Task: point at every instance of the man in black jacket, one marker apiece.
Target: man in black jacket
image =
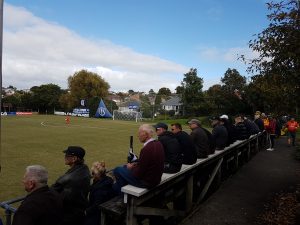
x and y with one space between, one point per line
219 133
199 138
224 120
241 130
187 146
74 186
173 152
41 206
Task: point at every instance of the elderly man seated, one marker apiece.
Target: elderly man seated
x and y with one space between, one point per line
147 171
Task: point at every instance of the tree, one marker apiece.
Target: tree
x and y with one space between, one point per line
233 83
14 100
84 85
179 90
233 80
146 108
45 98
151 92
266 93
278 47
192 96
130 92
164 91
215 99
163 94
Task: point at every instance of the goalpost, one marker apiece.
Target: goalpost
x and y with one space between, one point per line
127 115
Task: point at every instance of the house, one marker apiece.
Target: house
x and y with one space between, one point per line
172 104
130 106
8 91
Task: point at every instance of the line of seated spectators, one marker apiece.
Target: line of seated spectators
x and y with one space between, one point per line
73 200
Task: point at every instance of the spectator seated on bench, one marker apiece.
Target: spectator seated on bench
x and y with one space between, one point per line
186 144
173 152
147 171
100 191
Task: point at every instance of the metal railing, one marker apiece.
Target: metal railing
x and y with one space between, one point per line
9 210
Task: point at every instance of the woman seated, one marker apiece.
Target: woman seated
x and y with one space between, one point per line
101 191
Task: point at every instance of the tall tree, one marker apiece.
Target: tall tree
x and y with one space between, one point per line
233 80
164 91
192 96
163 94
215 100
84 85
233 87
278 47
179 90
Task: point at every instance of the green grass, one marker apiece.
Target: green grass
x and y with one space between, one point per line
40 139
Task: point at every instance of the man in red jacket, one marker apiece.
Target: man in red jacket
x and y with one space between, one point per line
292 127
271 128
147 171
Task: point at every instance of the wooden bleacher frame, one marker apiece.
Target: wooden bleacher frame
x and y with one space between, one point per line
141 202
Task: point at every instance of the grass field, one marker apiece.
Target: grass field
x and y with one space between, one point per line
40 139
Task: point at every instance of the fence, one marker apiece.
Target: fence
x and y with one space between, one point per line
9 209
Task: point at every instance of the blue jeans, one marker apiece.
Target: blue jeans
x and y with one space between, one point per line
124 176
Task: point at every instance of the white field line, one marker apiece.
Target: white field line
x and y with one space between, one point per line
71 126
46 124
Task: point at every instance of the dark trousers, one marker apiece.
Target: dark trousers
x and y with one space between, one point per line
272 139
124 176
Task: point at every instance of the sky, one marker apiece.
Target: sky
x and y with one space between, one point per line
133 44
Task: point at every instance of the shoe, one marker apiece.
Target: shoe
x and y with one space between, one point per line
270 149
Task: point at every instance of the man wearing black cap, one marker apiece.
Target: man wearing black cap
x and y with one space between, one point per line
74 186
173 152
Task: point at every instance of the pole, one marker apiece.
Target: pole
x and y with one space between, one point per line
1 40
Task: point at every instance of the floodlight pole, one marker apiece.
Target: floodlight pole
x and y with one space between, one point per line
1 41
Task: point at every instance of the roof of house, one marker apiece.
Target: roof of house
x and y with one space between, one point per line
174 100
130 103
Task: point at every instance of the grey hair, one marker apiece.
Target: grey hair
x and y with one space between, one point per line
148 129
37 173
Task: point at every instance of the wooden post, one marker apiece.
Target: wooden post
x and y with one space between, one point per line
189 193
131 219
208 183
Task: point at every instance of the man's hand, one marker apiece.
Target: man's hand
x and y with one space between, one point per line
131 165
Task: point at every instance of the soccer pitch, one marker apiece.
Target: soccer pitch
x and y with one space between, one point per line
40 139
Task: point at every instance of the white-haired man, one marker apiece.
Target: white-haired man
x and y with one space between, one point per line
41 205
147 171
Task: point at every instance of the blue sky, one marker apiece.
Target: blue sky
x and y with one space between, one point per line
132 44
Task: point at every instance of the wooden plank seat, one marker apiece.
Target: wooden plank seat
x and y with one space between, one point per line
115 206
113 210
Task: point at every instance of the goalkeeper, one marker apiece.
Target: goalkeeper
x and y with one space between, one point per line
147 171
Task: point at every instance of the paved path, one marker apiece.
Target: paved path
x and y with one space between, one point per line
241 198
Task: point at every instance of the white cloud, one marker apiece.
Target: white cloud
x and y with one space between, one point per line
229 55
37 52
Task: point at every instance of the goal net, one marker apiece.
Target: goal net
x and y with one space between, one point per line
127 115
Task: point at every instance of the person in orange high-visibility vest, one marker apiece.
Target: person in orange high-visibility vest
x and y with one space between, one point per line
292 126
